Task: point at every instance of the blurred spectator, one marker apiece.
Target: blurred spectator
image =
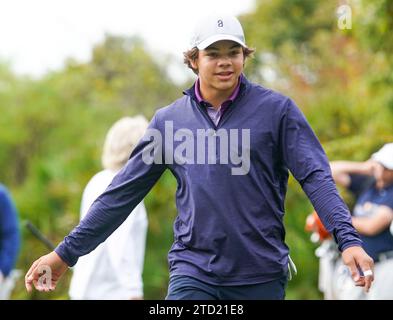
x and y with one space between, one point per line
371 183
114 269
9 241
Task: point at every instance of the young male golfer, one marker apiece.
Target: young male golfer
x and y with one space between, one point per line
230 144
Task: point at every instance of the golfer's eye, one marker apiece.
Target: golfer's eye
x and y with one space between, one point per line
212 54
234 53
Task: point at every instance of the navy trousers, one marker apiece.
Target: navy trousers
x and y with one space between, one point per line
188 288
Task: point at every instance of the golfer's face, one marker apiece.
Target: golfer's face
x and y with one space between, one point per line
220 65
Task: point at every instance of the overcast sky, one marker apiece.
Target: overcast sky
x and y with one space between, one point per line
37 36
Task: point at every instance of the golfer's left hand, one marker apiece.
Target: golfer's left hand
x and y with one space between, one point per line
355 258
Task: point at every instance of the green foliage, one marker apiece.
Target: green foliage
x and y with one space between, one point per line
52 129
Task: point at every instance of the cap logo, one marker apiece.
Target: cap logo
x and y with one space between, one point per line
220 23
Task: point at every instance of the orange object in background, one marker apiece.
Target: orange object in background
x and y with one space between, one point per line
315 225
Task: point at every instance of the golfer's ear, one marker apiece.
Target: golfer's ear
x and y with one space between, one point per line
194 63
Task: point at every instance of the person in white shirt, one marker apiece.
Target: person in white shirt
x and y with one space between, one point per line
114 269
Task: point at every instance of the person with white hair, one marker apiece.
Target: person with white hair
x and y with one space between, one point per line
371 183
114 269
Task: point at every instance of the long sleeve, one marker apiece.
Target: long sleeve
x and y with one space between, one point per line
111 208
9 233
307 161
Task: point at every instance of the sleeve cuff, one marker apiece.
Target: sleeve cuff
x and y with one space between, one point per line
65 254
353 243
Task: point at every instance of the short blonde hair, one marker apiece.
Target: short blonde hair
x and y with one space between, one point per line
121 140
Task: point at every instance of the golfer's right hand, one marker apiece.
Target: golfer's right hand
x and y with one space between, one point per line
45 273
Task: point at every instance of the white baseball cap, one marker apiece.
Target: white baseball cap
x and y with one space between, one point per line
217 27
385 156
